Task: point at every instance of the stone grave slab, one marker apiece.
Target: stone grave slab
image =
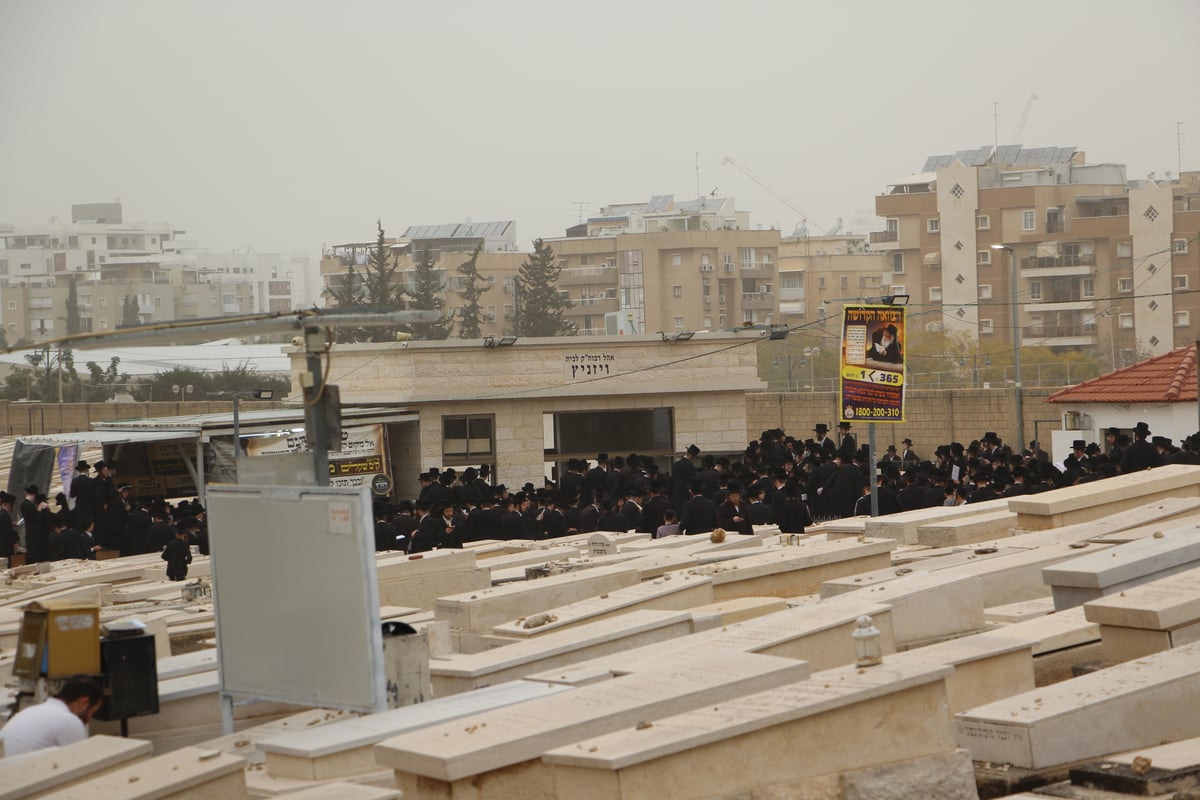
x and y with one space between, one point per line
343 749
792 571
669 593
499 751
1061 630
947 558
818 632
244 743
1173 767
422 591
841 720
1123 566
58 767
1086 502
1135 704
969 530
903 526
185 774
464 672
1020 611
741 609
340 790
1017 576
480 610
929 606
1162 604
985 668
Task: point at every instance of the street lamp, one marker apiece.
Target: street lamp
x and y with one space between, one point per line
1017 386
811 354
789 368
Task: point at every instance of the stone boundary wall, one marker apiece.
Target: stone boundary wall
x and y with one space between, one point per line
933 416
20 419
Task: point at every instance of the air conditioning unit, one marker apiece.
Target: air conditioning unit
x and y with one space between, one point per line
706 267
708 299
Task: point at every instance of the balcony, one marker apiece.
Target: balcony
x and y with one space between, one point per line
596 303
602 273
1047 262
883 237
1059 335
1100 226
590 332
757 266
758 300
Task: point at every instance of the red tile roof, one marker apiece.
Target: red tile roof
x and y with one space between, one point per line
1168 378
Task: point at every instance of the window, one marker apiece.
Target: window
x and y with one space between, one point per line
679 323
157 302
1029 220
1124 249
1035 290
1183 319
899 288
585 260
12 305
986 327
1087 287
983 222
93 240
844 282
103 302
676 259
677 291
1125 285
1125 320
933 225
983 258
467 439
26 266
103 324
1179 245
707 323
985 291
935 294
1180 281
897 262
821 283
893 225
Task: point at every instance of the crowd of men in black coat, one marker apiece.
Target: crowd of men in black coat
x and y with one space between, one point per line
97 513
777 480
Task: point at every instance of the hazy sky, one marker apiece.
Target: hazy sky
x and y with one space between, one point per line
286 125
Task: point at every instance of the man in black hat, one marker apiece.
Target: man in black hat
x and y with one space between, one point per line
82 493
908 455
847 443
842 489
631 510
699 514
108 503
36 536
1111 449
983 488
683 471
731 514
1079 450
8 531
1141 454
823 441
654 509
428 534
597 476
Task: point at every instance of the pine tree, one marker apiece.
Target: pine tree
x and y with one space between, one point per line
347 292
129 314
538 308
427 295
382 289
73 323
469 326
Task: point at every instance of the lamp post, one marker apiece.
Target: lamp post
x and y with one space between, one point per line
777 365
257 394
811 354
1019 390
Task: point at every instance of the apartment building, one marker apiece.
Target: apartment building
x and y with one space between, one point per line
667 266
110 260
1101 262
817 274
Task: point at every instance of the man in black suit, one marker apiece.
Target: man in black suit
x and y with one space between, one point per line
430 527
682 472
699 514
847 444
1141 454
83 492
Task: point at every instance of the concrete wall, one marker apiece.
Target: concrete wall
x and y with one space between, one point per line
934 416
19 419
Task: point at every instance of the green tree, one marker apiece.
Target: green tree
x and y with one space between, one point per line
427 295
346 292
382 288
73 324
473 289
102 383
129 313
538 308
242 378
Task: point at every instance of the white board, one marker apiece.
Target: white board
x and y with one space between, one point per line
295 595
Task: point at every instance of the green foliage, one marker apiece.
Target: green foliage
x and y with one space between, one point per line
377 288
242 378
73 324
538 307
473 289
427 295
129 312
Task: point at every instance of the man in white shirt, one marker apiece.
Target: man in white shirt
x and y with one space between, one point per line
59 721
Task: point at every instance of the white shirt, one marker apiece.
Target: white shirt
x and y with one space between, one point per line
49 724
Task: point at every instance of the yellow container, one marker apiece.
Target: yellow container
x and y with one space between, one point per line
58 640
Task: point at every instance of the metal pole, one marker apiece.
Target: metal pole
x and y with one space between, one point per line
871 468
1018 388
237 430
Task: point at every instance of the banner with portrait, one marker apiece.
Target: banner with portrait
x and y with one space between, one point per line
872 364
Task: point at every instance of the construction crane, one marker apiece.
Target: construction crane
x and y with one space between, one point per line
1024 118
752 176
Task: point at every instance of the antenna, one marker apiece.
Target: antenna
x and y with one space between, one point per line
698 174
1179 148
996 122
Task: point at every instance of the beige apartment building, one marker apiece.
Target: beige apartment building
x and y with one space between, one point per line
1101 262
819 273
656 266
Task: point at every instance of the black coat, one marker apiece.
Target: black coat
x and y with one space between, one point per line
842 490
727 511
699 515
793 516
428 534
1139 456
